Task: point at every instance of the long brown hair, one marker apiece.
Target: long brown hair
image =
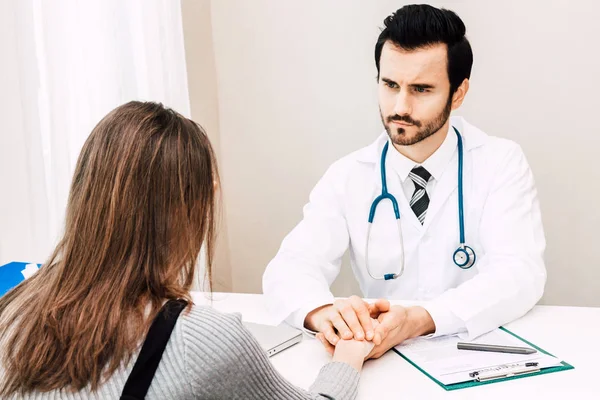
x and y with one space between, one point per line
142 204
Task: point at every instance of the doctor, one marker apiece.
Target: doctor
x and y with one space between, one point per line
434 210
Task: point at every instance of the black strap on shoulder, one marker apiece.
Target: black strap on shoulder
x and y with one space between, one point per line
143 371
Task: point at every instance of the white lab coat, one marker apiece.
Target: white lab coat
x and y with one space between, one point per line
502 224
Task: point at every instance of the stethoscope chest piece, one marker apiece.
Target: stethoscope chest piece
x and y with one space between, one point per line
464 257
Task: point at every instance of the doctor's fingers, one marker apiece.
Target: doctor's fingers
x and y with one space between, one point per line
361 308
386 324
380 306
328 333
389 321
340 325
347 308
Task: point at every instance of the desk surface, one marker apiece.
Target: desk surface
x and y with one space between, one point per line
570 333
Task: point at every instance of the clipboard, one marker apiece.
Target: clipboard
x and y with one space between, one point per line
508 377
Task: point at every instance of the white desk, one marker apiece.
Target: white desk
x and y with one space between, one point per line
570 333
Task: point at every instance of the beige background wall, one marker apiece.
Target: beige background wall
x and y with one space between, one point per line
202 85
295 90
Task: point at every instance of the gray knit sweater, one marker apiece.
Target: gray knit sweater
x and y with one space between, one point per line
211 355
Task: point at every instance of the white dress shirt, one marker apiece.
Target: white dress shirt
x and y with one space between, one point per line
436 164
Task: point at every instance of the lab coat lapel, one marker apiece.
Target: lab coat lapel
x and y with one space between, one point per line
448 184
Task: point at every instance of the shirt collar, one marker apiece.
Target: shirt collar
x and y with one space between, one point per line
435 164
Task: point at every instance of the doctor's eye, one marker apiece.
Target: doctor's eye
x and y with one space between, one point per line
391 85
420 89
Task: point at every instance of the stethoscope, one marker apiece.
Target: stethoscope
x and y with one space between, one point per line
464 256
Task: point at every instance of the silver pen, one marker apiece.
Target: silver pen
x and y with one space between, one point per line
495 348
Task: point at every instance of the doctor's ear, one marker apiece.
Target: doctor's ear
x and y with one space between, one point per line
459 95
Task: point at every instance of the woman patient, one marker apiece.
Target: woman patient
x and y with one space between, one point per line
142 204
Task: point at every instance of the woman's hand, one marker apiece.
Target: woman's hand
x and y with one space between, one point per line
352 351
348 346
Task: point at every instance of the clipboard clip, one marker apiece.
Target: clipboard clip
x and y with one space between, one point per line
505 371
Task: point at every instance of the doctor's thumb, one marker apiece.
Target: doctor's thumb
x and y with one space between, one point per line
379 307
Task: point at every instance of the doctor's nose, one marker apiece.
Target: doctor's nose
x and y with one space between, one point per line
403 105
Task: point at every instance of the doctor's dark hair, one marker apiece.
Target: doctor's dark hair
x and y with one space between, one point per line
143 203
417 26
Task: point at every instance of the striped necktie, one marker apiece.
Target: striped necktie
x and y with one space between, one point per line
420 200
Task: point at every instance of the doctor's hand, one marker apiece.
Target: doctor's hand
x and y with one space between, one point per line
349 318
399 324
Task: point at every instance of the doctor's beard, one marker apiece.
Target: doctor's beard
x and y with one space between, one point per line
398 136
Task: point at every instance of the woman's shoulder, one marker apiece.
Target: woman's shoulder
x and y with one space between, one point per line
206 330
202 320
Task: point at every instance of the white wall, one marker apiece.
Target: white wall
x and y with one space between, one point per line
296 86
296 91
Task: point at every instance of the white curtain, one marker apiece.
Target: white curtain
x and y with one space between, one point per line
65 64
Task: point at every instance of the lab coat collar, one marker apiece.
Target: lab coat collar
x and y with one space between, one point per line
435 164
472 138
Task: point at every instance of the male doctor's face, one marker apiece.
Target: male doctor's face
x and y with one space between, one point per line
414 92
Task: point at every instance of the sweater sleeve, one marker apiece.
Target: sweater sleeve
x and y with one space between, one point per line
224 360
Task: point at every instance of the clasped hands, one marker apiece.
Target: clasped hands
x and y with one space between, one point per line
380 324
